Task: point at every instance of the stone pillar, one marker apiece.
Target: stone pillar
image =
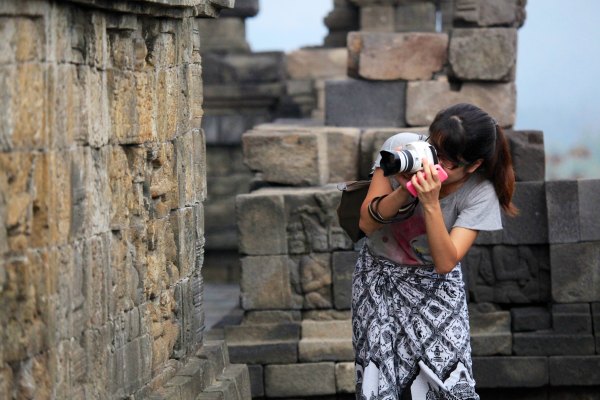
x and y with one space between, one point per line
102 183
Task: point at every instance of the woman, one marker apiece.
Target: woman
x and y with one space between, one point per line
409 311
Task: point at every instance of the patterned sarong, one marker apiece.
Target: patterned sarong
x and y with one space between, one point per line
410 332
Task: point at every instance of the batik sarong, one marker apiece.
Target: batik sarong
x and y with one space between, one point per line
410 332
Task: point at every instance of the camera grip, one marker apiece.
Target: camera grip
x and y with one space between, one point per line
442 175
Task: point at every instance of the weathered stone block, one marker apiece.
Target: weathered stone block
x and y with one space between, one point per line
342 265
257 384
64 95
574 371
425 98
490 333
494 372
483 54
188 188
273 352
393 56
25 39
575 272
51 216
489 12
572 318
342 153
326 315
265 283
527 151
311 220
377 18
530 319
316 63
239 68
315 350
493 275
531 225
549 344
224 34
122 100
313 282
326 341
288 157
25 103
589 221
166 93
24 329
416 17
228 128
225 388
314 379
345 377
264 213
262 333
215 351
563 211
312 329
271 317
362 103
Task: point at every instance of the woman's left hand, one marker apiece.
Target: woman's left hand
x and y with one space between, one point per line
427 183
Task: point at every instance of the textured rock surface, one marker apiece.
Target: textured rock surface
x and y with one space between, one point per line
425 98
102 180
487 54
393 56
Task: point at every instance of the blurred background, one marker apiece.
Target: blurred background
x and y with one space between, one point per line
558 82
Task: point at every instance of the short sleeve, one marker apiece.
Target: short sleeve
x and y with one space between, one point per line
479 209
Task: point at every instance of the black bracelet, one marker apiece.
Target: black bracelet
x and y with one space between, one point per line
374 210
403 213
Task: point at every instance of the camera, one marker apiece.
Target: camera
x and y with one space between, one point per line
409 159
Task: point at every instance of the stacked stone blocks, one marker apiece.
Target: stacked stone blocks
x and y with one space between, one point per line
532 286
102 179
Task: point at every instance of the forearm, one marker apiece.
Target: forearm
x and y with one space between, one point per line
387 207
442 248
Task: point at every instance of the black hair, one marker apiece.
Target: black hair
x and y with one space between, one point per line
464 133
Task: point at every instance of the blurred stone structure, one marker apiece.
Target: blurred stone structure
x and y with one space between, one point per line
242 89
102 183
534 287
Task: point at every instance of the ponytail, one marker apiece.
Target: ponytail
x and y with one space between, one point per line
500 172
464 133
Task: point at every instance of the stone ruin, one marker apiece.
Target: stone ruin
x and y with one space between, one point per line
534 288
102 184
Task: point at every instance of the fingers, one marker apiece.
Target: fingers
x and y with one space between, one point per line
431 173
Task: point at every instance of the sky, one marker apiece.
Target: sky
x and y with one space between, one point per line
558 70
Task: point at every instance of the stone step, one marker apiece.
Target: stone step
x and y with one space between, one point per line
232 384
208 375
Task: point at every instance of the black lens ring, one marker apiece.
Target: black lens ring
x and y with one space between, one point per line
410 161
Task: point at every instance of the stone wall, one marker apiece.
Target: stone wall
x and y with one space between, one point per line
533 287
102 179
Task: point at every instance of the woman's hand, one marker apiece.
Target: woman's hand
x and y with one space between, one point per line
427 183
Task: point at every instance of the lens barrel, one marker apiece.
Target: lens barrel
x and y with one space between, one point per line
393 162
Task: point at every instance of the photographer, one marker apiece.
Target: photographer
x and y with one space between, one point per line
409 311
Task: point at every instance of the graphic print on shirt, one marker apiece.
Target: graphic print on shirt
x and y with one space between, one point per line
411 238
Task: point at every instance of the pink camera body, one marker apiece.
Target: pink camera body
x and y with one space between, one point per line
442 175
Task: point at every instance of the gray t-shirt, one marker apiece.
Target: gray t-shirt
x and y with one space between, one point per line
474 206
